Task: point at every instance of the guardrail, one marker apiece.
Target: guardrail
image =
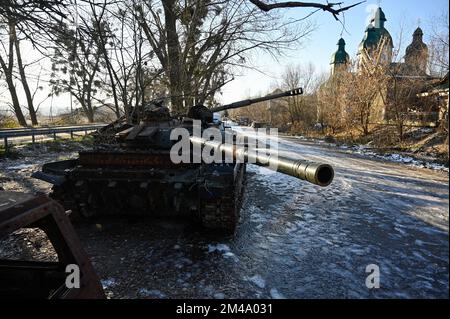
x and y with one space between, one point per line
33 132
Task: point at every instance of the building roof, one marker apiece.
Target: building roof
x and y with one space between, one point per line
439 87
378 19
340 56
443 83
417 45
400 69
375 32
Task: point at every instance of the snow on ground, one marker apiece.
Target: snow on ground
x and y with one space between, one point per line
257 280
294 240
219 247
151 293
224 249
19 167
394 157
275 294
108 283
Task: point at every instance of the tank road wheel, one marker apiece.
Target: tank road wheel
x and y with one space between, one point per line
61 194
89 208
85 204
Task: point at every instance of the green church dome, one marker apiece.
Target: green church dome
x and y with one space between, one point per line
340 56
375 32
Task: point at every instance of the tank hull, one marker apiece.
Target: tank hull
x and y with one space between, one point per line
208 194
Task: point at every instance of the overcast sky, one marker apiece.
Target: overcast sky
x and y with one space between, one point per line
400 14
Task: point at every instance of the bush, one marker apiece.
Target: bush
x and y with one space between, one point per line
8 122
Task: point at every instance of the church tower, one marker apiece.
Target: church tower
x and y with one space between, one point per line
416 56
376 38
340 59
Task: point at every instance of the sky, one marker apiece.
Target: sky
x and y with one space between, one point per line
317 49
400 14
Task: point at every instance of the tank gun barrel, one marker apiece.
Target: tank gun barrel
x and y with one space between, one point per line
313 172
247 102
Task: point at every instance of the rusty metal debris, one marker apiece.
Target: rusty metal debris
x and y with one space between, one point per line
43 279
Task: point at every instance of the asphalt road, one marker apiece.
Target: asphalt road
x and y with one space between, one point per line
295 240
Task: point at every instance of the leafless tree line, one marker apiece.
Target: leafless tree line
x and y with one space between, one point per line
124 53
357 98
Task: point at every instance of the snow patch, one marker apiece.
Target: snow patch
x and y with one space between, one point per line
229 254
394 157
224 249
219 295
144 292
108 283
219 247
258 281
275 294
19 167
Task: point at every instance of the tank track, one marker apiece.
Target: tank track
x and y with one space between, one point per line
224 214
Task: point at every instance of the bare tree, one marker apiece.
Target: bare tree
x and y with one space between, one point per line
32 20
438 45
125 55
301 108
24 81
199 42
36 19
401 97
330 106
103 28
7 65
76 66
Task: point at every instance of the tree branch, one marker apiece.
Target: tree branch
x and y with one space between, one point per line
329 7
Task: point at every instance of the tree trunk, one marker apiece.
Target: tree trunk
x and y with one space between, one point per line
15 101
89 111
113 84
400 131
8 72
173 53
110 73
23 77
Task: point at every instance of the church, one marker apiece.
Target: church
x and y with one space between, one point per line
411 72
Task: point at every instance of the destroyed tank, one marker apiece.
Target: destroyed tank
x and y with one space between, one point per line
129 171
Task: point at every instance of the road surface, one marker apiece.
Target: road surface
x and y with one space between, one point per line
295 240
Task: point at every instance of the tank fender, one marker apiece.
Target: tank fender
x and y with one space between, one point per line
49 178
